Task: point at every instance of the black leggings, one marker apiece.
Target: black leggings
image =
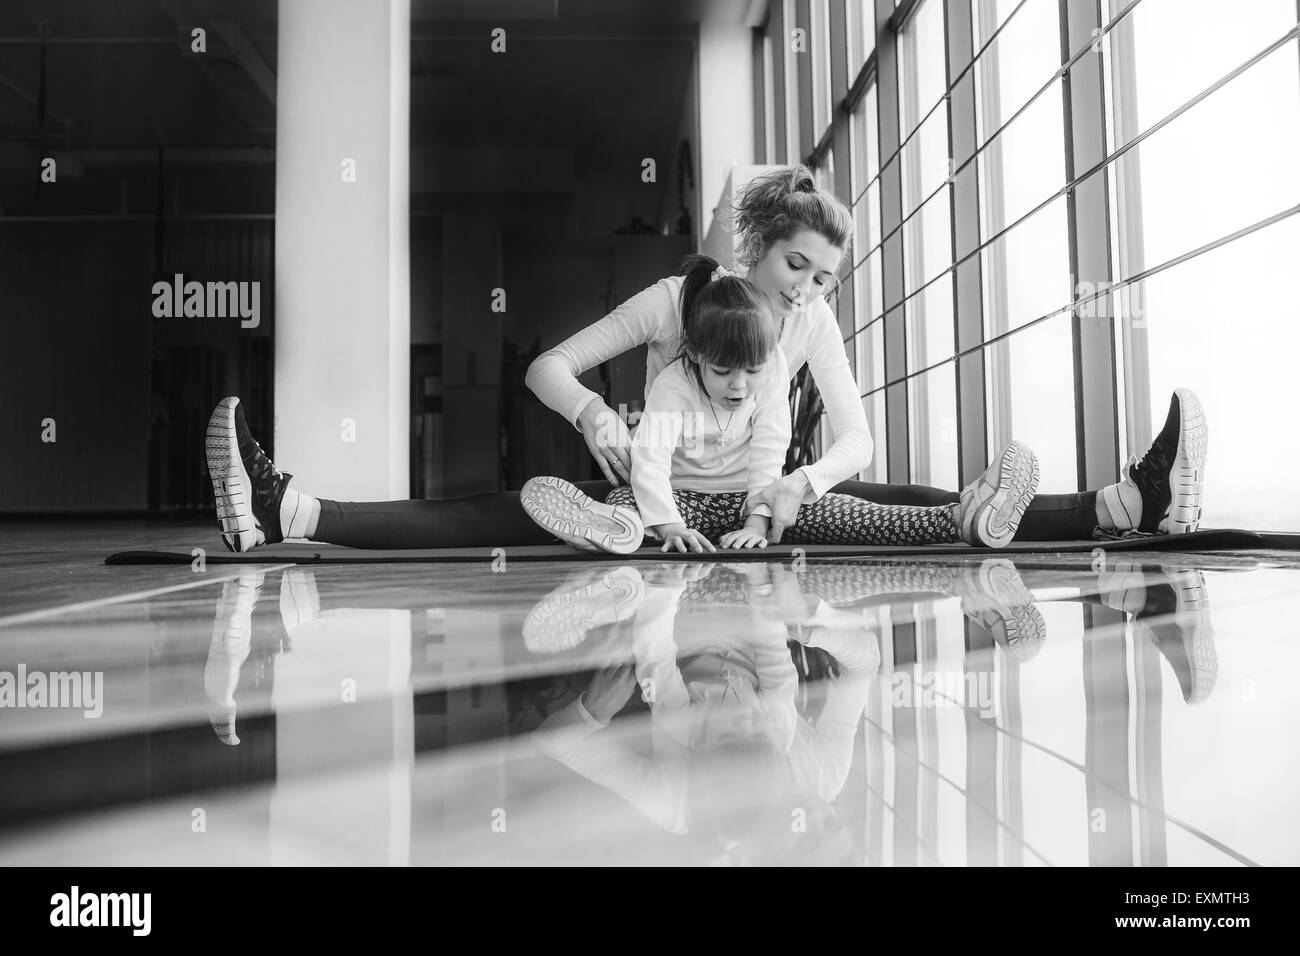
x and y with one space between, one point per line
496 519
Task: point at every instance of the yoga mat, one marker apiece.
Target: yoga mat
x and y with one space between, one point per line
312 553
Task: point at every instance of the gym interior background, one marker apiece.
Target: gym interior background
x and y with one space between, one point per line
1063 211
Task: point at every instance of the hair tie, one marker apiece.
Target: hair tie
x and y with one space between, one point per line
719 272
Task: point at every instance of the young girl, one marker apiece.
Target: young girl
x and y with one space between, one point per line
714 433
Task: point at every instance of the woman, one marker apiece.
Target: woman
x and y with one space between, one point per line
714 433
792 239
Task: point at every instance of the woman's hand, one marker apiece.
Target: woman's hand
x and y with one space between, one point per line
609 691
678 537
778 595
744 538
608 440
783 496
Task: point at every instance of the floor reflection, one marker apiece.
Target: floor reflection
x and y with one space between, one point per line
849 712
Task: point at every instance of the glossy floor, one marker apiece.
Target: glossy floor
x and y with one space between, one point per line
1127 710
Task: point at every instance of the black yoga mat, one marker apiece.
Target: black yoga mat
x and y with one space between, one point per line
312 553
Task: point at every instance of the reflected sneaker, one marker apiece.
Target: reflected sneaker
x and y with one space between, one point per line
994 596
991 506
562 619
246 485
559 507
1177 616
855 649
299 598
1161 492
1122 584
232 639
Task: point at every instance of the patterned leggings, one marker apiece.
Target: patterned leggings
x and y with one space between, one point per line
833 519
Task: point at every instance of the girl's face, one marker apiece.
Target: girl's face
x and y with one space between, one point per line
794 271
729 387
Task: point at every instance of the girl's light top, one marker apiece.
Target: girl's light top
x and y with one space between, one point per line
685 441
652 318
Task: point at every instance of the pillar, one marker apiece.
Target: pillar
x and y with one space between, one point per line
342 269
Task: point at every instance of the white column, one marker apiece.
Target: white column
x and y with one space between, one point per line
342 264
726 88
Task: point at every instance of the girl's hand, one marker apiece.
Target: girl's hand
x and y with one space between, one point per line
678 537
608 440
744 538
783 496
677 574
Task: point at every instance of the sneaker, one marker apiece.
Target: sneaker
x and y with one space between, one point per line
247 487
559 507
1171 475
991 506
994 596
562 619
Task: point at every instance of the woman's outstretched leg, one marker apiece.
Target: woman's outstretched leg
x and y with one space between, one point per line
1160 493
256 505
488 520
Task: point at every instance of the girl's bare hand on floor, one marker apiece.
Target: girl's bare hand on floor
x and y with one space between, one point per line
678 537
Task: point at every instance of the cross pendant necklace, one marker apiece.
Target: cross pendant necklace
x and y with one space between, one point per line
722 441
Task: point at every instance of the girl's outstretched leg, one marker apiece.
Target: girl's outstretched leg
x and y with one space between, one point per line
841 519
987 514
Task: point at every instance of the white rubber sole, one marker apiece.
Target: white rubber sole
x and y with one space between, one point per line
1006 607
993 521
231 486
561 622
559 507
1187 476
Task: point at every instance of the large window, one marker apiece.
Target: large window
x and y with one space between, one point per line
1124 200
1024 233
1204 103
793 50
927 248
868 341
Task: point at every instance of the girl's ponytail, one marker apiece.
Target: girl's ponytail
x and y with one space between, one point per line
698 270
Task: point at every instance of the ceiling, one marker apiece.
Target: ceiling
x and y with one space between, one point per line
589 74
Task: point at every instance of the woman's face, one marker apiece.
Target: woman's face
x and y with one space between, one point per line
794 271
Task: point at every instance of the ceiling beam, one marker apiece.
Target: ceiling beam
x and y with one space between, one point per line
187 15
247 56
